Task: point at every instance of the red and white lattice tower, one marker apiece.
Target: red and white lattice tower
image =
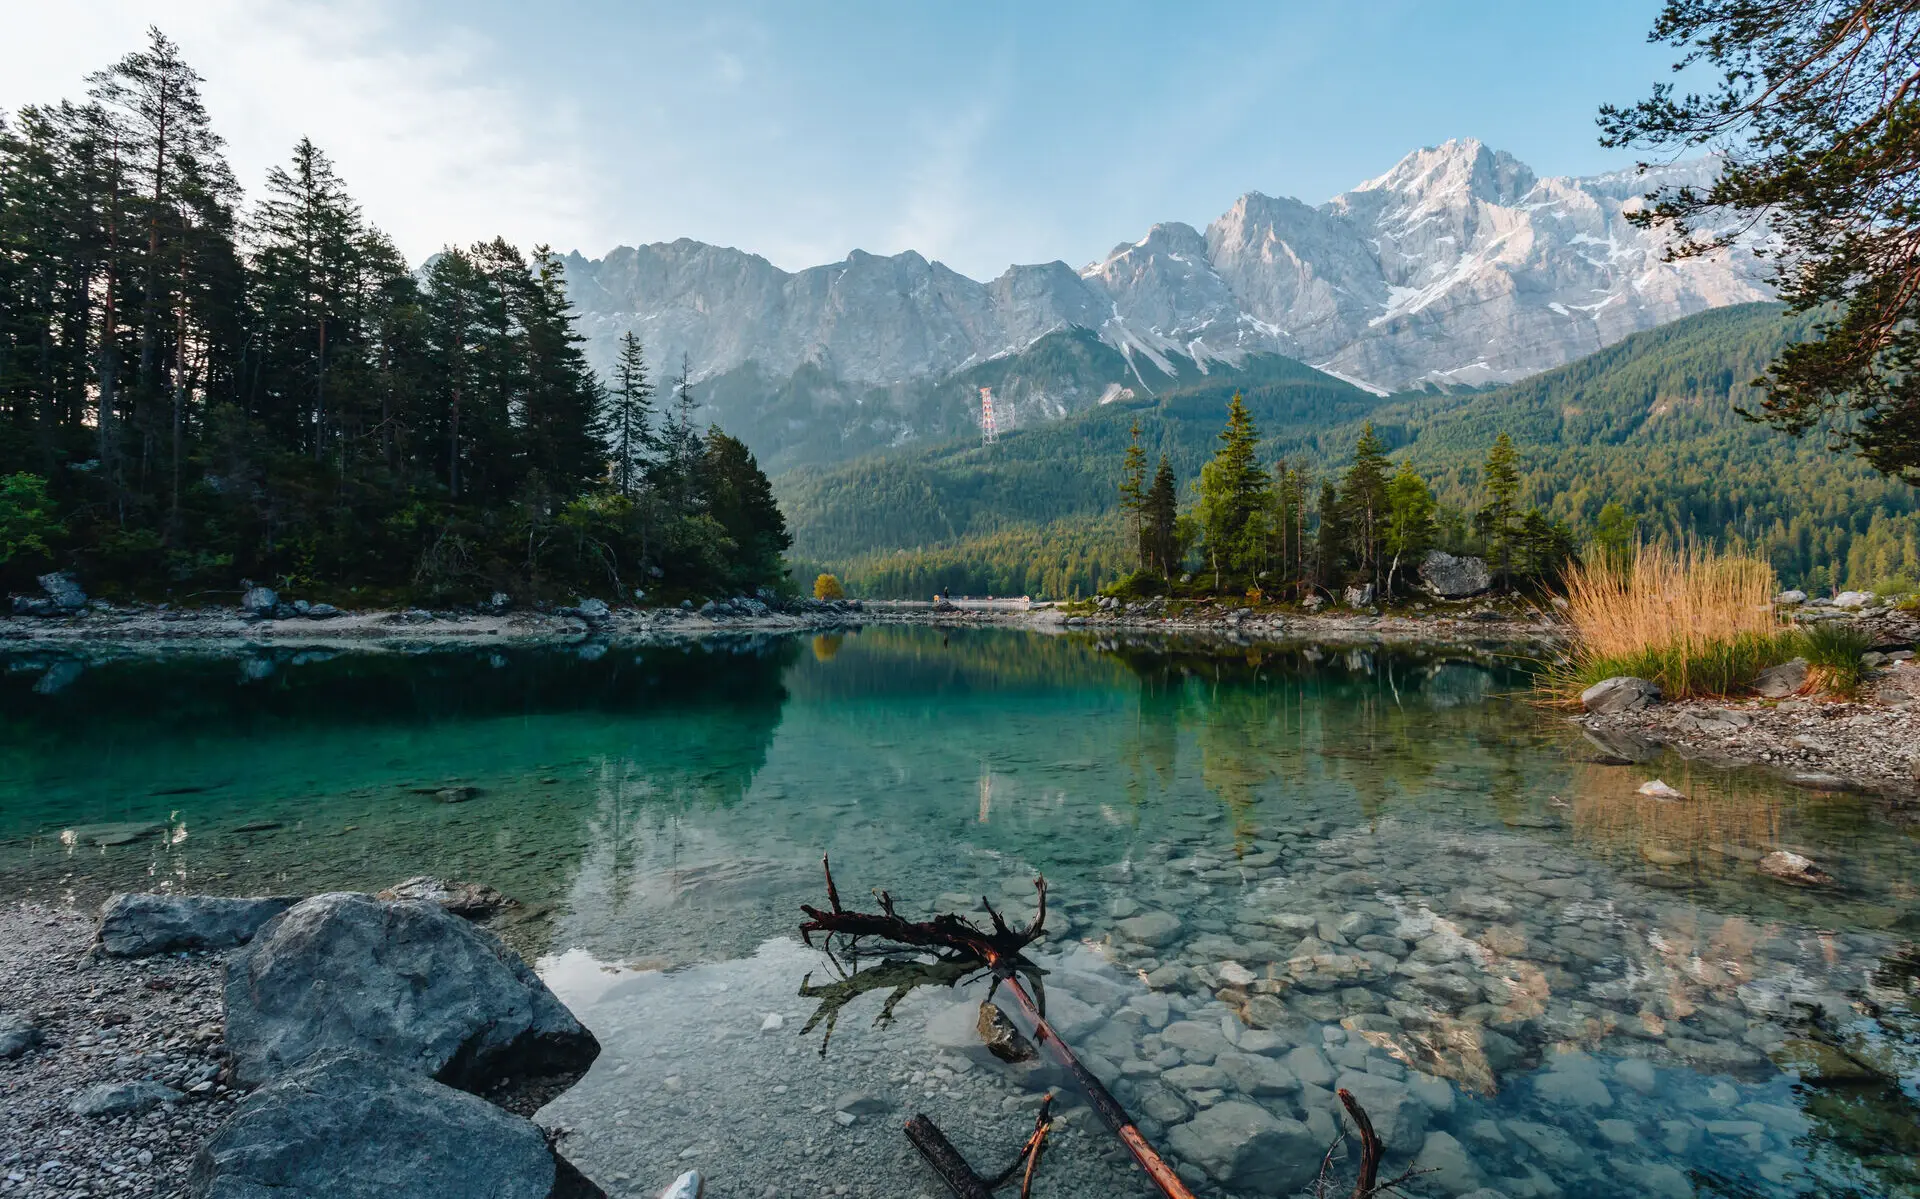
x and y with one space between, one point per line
989 431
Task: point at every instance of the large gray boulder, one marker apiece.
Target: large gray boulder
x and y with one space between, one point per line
1623 693
1448 577
408 982
1778 682
356 1127
1248 1147
140 924
63 591
261 601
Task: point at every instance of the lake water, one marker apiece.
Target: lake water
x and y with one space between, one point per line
1274 870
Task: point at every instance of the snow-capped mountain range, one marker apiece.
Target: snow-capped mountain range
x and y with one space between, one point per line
1459 265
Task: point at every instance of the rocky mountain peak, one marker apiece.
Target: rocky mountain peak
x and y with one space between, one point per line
1457 265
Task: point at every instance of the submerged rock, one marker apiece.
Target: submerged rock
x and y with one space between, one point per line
1792 868
1248 1147
1623 693
1000 1036
475 901
408 981
1658 789
357 1127
138 924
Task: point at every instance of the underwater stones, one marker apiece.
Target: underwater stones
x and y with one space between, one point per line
1196 1078
141 924
1573 1080
1793 868
1150 928
410 981
1658 789
1398 1116
1197 1043
1623 693
359 1127
1249 1148
1256 1074
1001 1038
1822 1064
1307 1064
474 901
1070 1017
1547 1141
1444 1159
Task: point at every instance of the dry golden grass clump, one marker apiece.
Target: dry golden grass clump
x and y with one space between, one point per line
1695 620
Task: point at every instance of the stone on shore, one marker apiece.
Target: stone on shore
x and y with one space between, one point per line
1778 682
1248 1147
261 601
1622 693
1448 577
121 1099
141 924
63 591
17 1035
407 981
358 1127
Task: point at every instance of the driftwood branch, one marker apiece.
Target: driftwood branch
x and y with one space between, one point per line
1371 1151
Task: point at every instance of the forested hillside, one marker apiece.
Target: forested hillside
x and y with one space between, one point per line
1649 424
196 389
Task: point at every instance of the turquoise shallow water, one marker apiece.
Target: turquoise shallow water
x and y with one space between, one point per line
1276 871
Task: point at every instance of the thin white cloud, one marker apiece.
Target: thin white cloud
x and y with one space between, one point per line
430 139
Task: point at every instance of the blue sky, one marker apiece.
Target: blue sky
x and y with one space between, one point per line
980 134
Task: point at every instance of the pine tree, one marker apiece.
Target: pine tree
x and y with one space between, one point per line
739 497
629 418
1332 543
1363 495
1159 512
1411 528
1232 488
1495 520
673 475
558 412
306 239
1133 489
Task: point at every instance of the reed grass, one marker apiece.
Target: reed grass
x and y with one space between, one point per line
1833 654
1697 621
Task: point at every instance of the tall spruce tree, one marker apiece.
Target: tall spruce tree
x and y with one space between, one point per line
1496 520
1232 489
739 497
1159 514
1363 496
559 409
629 418
1133 491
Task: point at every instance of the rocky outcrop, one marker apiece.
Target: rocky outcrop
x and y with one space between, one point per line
360 1127
1445 576
1623 693
408 982
141 924
260 601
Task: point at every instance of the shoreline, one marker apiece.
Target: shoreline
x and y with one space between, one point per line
229 629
